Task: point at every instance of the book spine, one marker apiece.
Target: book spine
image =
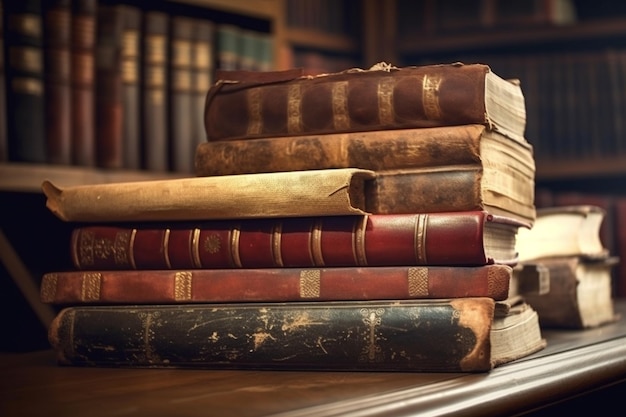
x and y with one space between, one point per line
348 102
131 65
375 240
83 87
380 150
203 67
57 16
24 81
180 94
441 336
155 119
275 284
109 116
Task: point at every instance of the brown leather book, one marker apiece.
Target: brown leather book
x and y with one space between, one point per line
380 98
109 119
328 241
24 81
443 335
82 61
181 143
274 284
154 90
57 16
131 99
377 150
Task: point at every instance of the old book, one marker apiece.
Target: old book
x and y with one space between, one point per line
325 241
383 97
563 231
57 15
109 115
83 87
24 81
579 294
131 99
317 192
375 150
443 335
274 284
154 87
181 142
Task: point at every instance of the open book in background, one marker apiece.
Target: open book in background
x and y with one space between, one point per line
564 251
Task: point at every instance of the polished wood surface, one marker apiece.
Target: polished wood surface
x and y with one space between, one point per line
574 362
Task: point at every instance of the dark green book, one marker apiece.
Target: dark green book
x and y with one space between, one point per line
453 335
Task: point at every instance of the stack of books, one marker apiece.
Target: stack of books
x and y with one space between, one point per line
364 220
564 251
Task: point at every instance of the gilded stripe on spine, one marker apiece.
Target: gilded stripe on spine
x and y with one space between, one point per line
417 282
182 286
419 239
131 249
234 247
194 247
255 121
430 96
386 110
341 118
294 109
358 241
165 248
90 288
49 288
277 234
310 283
316 243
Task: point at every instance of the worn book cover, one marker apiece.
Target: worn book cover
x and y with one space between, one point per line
383 97
443 335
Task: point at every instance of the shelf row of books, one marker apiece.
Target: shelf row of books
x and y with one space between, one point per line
114 84
381 236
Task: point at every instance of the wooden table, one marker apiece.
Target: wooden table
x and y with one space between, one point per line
574 363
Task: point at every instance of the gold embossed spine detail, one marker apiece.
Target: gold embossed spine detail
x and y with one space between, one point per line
430 96
386 112
358 243
194 247
165 248
372 318
341 116
48 289
183 286
90 288
417 281
255 117
277 233
310 283
419 240
235 259
316 243
294 110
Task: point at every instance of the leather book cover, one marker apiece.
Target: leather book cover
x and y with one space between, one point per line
24 81
383 97
82 84
274 284
181 142
131 68
328 241
444 335
375 150
57 15
109 115
154 91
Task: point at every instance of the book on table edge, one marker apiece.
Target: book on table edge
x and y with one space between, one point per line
578 292
274 284
380 98
443 335
324 241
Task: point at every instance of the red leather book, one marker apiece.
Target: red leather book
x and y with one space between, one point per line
275 284
57 86
453 238
83 87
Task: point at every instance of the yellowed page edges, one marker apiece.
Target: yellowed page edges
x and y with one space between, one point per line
283 194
